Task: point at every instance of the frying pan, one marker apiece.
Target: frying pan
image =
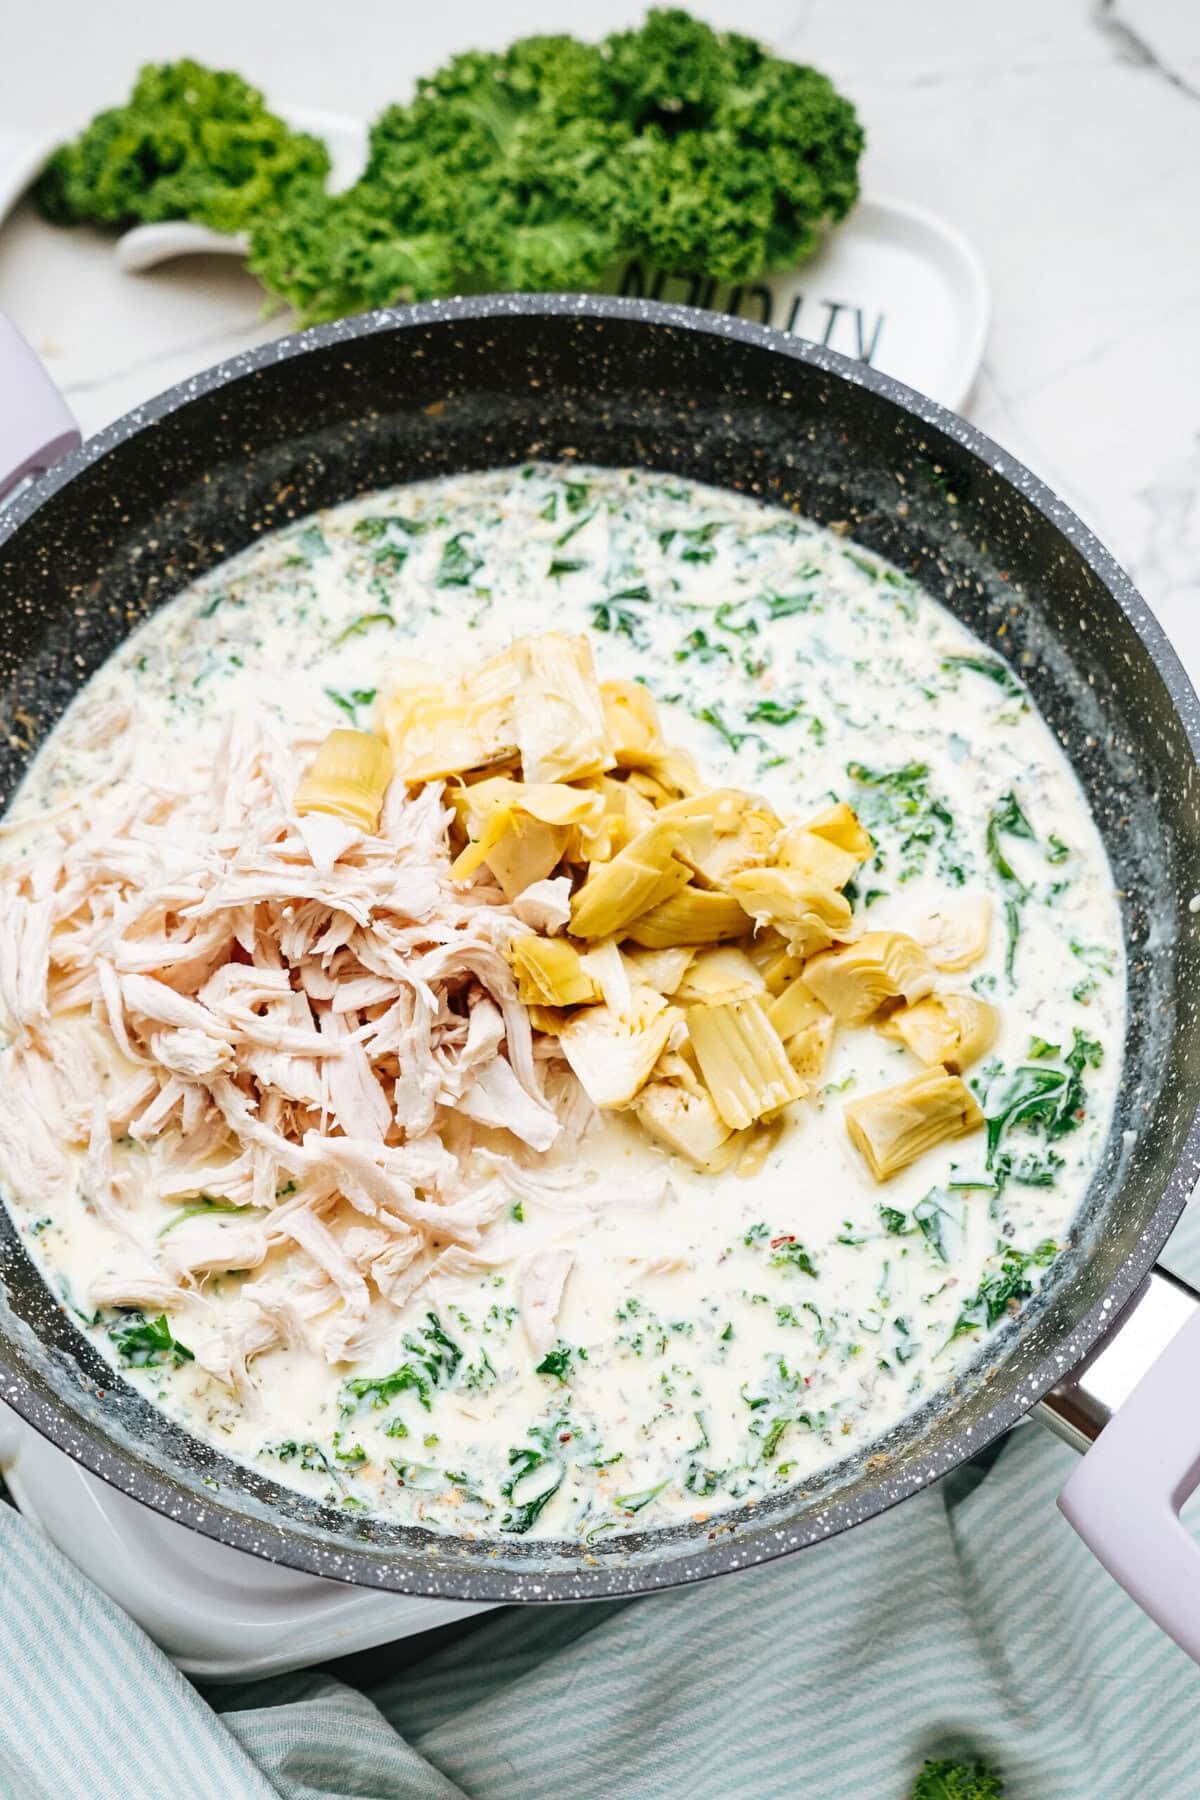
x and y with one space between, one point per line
123 523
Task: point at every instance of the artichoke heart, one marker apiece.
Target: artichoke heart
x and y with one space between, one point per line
347 778
895 1126
616 981
723 973
770 953
744 830
956 933
687 1123
624 813
854 981
840 825
672 774
612 1055
519 829
692 916
815 856
952 1029
808 1051
795 1008
551 802
663 970
808 913
559 713
549 973
526 852
442 727
631 721
743 1062
638 878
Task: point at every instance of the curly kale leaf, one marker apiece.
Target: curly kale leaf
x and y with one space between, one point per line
190 143
958 1781
529 169
737 159
538 167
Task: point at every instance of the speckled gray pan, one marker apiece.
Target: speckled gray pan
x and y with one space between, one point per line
187 480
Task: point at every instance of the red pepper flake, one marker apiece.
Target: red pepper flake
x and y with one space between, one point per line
788 1238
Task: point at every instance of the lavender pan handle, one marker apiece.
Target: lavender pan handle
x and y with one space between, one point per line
36 427
1125 1496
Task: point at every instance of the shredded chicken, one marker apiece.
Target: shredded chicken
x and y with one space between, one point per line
314 1029
540 1285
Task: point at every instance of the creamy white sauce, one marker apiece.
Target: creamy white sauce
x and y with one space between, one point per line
781 655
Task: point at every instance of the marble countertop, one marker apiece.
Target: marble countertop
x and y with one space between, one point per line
1063 139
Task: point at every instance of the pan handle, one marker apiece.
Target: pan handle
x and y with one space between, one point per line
36 426
1134 1395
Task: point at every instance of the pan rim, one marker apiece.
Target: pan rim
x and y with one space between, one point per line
376 1567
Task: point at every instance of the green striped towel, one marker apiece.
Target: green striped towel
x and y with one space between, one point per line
969 1621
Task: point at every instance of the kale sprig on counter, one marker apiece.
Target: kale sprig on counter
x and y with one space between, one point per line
958 1781
189 143
529 169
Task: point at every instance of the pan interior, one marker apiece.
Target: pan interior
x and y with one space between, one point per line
478 386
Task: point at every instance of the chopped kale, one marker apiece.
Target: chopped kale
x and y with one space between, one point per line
938 1224
557 1362
479 1375
1007 819
381 1389
360 626
632 1503
310 1456
615 614
712 715
311 542
459 564
991 668
1046 1100
527 1460
1030 1170
788 1253
439 1354
203 1208
774 1407
906 820
349 703
785 606
564 537
726 618
142 1343
381 525
697 644
1003 1292
773 712
1097 961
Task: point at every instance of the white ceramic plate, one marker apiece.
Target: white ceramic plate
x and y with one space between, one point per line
894 286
